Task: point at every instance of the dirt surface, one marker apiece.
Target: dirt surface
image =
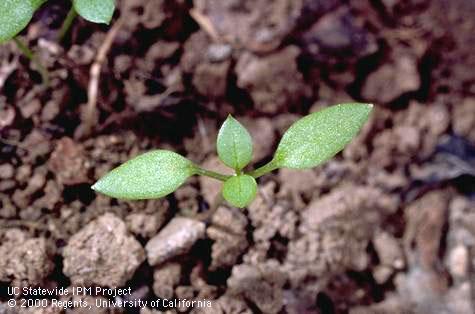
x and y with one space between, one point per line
388 226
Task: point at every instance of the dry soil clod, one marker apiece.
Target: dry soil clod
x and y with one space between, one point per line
102 253
25 261
176 238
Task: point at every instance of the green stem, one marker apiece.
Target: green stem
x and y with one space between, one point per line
270 166
32 57
211 174
68 21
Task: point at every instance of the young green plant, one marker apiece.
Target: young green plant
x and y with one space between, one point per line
16 14
309 142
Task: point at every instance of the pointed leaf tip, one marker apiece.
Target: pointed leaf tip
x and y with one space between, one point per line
319 136
150 175
234 144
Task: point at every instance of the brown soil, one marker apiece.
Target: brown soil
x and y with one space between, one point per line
388 226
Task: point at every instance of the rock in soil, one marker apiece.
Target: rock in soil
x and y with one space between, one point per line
262 285
195 51
425 222
165 279
227 248
6 171
459 238
393 79
262 23
463 119
176 238
144 225
231 219
37 144
391 305
24 261
425 285
208 63
273 81
210 79
36 182
389 251
150 14
334 233
68 162
102 253
7 116
337 34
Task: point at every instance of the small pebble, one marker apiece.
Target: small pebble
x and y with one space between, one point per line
175 239
102 253
459 261
6 171
219 52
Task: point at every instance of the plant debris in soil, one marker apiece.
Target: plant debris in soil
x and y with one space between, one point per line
388 226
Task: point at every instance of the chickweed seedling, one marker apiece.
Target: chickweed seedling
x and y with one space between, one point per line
309 142
16 14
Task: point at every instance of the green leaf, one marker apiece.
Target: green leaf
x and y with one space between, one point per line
240 190
150 175
234 144
319 136
15 16
37 3
96 11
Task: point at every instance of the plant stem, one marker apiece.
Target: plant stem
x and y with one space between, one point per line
211 174
270 166
32 57
68 21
